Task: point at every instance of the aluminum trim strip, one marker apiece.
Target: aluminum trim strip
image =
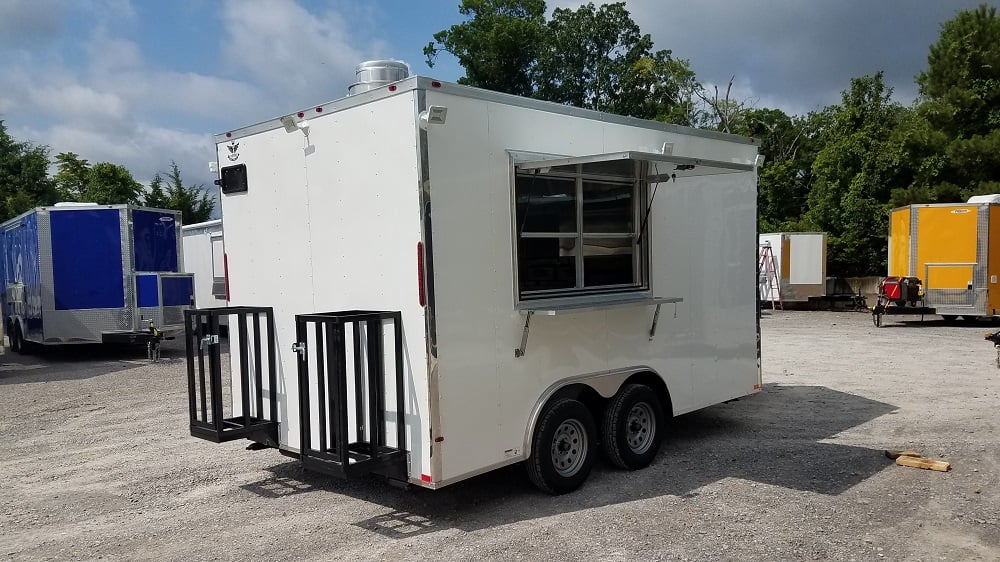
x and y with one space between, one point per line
555 307
423 83
914 223
649 157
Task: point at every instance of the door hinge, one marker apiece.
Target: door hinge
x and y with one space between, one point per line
208 340
300 348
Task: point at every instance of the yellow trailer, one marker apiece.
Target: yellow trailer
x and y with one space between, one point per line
948 246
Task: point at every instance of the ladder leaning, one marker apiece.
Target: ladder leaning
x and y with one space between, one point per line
769 286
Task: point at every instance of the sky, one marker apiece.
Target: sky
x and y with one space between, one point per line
145 82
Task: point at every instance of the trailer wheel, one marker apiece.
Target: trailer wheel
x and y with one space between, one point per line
631 431
23 346
15 339
562 449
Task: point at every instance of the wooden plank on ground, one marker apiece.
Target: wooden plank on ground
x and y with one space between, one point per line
920 462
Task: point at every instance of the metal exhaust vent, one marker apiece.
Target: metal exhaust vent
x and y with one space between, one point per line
377 73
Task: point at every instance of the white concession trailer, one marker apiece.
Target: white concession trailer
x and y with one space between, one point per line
430 281
205 258
793 266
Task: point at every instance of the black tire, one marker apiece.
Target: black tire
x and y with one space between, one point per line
949 317
15 339
633 427
563 447
23 346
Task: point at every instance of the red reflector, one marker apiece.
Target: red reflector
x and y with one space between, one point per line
436 84
300 114
421 293
756 387
319 110
425 477
225 273
392 87
438 439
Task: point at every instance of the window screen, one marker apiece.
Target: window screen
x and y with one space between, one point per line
576 229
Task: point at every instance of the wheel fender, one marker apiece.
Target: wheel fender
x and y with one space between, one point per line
606 384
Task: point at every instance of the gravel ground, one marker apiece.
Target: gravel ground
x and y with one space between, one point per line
96 462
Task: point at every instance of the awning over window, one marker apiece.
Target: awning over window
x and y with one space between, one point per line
660 167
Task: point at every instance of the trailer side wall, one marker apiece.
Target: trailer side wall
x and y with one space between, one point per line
21 259
703 249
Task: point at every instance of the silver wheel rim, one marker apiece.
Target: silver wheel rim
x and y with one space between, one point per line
569 448
640 428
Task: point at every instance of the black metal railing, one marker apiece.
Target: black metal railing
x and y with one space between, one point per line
238 402
343 392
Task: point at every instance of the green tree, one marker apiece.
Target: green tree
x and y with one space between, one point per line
853 175
598 58
156 196
497 45
111 184
962 80
590 57
789 147
951 144
103 183
71 176
24 179
193 201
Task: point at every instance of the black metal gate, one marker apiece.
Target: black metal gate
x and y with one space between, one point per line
343 391
213 394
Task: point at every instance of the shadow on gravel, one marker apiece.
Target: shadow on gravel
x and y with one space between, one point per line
773 438
903 321
77 362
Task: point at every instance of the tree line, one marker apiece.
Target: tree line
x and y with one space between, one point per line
840 169
25 183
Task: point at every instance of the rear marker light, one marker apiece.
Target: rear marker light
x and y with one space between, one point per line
301 115
425 477
228 135
319 110
435 84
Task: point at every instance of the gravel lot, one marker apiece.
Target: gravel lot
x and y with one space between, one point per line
97 462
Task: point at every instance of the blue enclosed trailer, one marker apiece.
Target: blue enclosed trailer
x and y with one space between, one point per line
85 273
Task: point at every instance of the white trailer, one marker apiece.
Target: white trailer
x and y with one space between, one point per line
797 261
510 280
205 257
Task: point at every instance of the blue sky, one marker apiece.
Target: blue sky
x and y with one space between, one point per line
144 82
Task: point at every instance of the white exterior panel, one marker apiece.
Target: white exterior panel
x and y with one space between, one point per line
204 257
800 264
327 226
808 259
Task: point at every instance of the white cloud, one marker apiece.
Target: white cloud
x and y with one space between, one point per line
799 55
73 100
118 106
306 58
110 55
